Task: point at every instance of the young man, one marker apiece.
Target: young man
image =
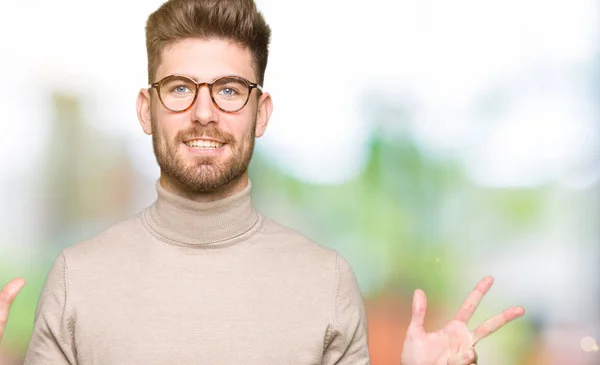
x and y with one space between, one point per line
201 277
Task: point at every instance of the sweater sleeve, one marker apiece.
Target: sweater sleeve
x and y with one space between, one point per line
52 341
346 341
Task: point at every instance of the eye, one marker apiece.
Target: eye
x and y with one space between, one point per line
227 91
180 89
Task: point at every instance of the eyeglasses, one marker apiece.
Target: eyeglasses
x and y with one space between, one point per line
229 93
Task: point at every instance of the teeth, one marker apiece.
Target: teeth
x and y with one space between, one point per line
203 144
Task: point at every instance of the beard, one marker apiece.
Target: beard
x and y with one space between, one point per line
204 174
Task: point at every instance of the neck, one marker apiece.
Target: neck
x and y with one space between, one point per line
231 188
210 222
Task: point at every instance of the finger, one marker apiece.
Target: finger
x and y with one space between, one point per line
465 357
419 310
496 322
7 296
470 304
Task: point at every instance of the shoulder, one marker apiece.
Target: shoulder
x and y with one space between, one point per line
283 239
113 240
299 251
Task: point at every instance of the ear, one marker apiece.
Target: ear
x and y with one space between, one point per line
144 114
265 108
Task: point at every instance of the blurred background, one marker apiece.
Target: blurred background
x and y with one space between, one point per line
430 142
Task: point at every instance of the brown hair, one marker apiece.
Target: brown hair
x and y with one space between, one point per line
235 20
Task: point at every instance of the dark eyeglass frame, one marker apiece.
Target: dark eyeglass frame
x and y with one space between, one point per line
251 85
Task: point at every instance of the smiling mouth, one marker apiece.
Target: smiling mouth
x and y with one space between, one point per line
203 143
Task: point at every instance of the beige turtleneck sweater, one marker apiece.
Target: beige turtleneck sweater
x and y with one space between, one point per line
185 282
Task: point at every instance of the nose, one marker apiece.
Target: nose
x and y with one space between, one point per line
204 110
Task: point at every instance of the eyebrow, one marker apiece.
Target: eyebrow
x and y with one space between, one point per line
218 77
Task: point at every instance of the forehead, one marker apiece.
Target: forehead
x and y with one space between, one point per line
206 59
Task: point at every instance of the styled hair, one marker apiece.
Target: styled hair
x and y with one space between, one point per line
233 20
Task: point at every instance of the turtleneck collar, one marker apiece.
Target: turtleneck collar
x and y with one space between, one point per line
181 221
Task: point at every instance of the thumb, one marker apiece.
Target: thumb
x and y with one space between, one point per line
7 296
11 290
419 310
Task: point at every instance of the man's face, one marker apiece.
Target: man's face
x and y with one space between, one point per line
203 149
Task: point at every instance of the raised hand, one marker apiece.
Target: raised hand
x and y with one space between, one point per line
453 344
7 296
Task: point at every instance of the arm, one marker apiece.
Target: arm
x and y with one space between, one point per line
52 341
346 340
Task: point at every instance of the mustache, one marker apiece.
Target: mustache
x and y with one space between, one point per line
210 132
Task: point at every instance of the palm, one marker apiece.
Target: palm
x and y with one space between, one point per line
453 344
